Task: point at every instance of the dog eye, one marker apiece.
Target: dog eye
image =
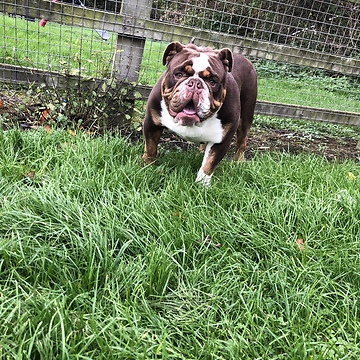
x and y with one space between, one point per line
212 82
179 75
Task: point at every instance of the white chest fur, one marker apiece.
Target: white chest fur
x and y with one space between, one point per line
209 130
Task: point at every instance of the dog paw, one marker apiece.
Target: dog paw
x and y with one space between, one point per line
239 156
148 159
203 179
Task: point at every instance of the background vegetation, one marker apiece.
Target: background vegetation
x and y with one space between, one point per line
67 49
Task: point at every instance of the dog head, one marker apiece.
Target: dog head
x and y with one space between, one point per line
194 85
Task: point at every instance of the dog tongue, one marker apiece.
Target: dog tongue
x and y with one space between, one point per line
189 109
188 116
187 119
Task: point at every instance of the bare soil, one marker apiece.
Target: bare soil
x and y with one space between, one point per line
268 139
330 147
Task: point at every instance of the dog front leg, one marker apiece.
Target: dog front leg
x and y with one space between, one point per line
152 135
213 155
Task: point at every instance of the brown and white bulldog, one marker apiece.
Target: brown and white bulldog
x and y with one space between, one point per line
204 96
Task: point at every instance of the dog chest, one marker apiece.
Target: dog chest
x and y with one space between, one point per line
209 130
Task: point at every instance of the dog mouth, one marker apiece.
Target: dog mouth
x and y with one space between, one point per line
189 109
187 116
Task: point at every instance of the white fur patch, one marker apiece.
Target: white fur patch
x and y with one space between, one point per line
203 179
206 153
201 176
209 130
200 63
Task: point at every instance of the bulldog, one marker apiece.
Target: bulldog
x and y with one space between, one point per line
205 96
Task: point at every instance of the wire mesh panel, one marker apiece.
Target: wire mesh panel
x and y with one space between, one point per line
39 43
307 53
45 45
321 25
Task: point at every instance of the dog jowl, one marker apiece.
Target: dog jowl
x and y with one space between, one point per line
204 96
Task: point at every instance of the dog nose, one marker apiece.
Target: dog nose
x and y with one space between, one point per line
195 84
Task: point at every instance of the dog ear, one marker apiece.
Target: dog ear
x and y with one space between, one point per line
226 56
171 50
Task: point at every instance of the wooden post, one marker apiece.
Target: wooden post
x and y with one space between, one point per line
129 50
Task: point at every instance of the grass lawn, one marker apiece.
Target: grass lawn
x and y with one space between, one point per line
61 48
104 258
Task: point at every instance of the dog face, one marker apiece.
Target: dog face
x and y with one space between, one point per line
194 85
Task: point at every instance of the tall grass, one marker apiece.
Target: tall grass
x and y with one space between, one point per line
102 257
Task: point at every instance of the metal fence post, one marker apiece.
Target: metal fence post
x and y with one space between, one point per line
129 49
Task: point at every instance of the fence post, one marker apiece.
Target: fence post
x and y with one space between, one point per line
129 49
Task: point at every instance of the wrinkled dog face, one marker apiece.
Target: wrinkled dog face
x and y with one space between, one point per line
194 86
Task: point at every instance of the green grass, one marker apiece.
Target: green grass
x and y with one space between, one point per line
81 51
66 49
102 257
308 92
308 128
279 82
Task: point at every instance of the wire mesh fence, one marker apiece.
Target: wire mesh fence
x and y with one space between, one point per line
307 53
325 26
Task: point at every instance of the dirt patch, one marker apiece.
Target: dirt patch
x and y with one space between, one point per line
330 147
265 139
25 113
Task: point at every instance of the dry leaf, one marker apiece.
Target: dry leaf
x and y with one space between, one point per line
43 116
208 240
300 244
178 214
351 176
30 174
